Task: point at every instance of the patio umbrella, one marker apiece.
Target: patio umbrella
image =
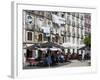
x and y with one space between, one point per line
51 45
34 46
84 48
67 45
42 49
55 49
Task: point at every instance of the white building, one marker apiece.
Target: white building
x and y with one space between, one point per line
71 26
65 28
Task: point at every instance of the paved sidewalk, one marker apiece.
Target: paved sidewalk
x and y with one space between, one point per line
77 63
72 63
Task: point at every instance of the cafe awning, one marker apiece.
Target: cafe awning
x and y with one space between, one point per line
34 46
51 45
55 49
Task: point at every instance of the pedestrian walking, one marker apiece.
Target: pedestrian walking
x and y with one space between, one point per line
83 55
49 61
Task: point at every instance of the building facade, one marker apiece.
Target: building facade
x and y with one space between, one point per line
65 28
